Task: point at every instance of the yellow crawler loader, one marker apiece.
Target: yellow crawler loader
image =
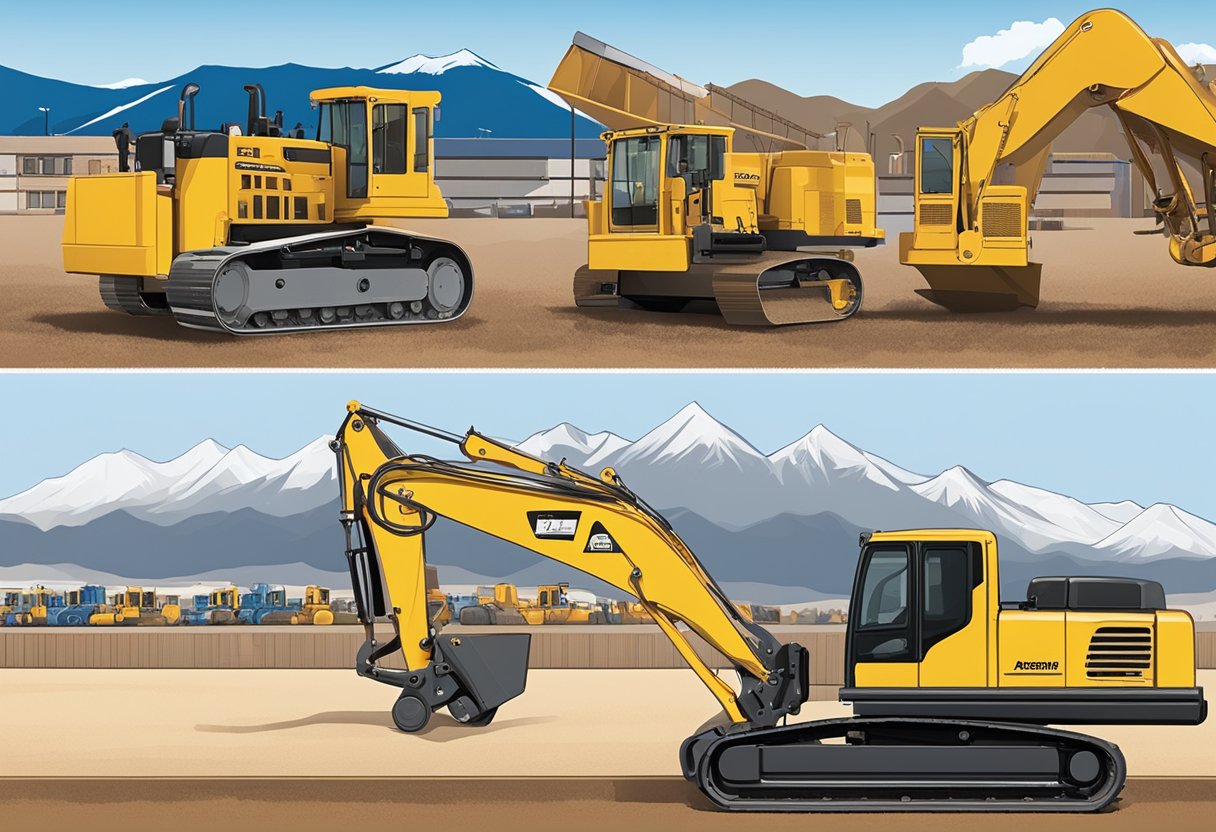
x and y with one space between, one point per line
251 229
951 687
976 182
688 215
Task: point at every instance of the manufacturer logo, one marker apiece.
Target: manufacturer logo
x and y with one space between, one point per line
599 541
249 152
747 177
1036 666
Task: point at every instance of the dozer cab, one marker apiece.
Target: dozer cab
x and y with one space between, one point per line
952 689
976 182
251 228
687 215
314 607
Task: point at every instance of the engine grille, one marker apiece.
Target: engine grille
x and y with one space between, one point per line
852 211
827 210
1002 219
936 214
1119 653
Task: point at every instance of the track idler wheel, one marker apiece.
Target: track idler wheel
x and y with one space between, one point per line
446 290
410 713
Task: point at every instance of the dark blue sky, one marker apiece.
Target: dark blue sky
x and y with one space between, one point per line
868 52
1094 436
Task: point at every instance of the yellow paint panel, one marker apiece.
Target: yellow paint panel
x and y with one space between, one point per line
638 252
886 674
1175 649
1030 646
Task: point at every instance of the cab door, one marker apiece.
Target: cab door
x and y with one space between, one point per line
952 609
938 161
882 649
400 161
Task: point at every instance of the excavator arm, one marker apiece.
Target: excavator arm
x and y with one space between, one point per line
971 236
595 524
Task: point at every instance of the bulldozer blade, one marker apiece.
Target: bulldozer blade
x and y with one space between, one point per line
784 288
965 288
595 287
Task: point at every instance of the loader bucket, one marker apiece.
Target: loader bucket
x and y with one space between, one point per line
967 288
784 288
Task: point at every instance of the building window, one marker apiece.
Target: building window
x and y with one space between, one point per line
61 199
94 167
29 165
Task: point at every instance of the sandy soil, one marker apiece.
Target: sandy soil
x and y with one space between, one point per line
529 804
1103 307
323 723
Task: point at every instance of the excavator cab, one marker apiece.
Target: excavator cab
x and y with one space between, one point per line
975 257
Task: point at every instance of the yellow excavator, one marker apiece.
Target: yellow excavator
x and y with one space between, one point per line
976 182
951 687
712 198
254 228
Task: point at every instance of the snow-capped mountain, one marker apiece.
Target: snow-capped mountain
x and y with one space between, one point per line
431 65
477 96
207 479
732 500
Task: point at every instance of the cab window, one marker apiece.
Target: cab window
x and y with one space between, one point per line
422 140
635 182
884 596
388 138
697 154
946 601
937 165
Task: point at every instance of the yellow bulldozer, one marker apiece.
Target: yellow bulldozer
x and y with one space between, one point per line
711 198
952 688
976 182
135 606
314 607
251 228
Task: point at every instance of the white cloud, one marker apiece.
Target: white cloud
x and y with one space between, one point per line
1196 53
1022 38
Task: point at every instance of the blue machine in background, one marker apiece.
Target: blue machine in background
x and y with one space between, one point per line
78 605
264 604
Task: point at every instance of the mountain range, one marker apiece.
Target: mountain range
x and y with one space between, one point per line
782 522
479 98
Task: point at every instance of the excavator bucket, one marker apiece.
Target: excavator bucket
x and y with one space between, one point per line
968 288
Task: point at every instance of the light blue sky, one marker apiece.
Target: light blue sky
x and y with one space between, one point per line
1145 437
867 52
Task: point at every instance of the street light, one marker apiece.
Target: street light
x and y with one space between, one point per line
46 115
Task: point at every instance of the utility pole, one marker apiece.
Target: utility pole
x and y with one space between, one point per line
572 154
46 120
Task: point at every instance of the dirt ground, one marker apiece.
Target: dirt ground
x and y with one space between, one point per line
327 723
583 804
1110 299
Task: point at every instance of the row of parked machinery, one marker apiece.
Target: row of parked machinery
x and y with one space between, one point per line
247 228
267 604
136 606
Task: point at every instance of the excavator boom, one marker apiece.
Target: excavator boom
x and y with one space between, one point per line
976 182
